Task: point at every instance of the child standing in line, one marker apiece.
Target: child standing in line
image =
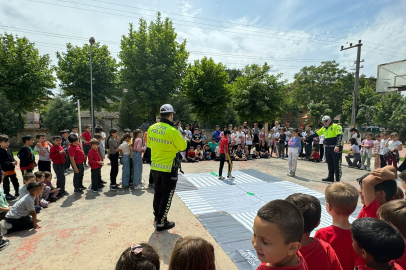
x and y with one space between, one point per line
113 155
95 163
138 149
65 145
26 155
375 151
102 156
86 137
192 253
77 158
57 154
394 146
125 159
383 150
295 145
102 146
366 152
43 147
7 164
4 208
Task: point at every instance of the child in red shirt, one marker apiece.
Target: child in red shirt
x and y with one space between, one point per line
278 228
57 155
191 155
394 212
77 158
86 137
95 163
314 157
317 253
341 201
378 243
225 156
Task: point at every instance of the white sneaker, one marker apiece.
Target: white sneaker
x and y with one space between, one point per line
367 169
138 187
221 178
362 167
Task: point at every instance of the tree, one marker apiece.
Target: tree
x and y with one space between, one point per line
388 104
132 113
367 105
153 63
257 94
10 119
183 109
25 75
317 111
321 84
73 72
206 87
233 74
60 114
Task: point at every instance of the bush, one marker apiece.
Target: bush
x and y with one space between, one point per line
60 114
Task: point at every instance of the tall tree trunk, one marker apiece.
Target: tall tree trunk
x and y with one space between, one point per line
152 113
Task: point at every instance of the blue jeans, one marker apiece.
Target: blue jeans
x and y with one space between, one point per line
137 166
125 159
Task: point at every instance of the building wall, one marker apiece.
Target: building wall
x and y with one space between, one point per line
16 141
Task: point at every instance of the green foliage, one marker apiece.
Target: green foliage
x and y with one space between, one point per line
317 111
228 116
9 119
206 87
233 74
387 105
183 109
153 63
321 84
132 114
25 75
257 94
73 72
60 114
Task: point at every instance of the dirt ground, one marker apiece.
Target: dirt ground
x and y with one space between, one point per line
91 231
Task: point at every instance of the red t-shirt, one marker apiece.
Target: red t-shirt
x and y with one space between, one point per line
395 266
315 156
94 158
77 152
320 255
55 156
88 136
191 154
402 260
300 266
370 210
223 143
341 241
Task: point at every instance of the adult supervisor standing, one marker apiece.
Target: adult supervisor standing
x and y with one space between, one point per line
333 136
165 142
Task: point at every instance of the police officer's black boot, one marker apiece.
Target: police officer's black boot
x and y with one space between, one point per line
328 179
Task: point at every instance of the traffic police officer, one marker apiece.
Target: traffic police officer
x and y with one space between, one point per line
333 136
165 142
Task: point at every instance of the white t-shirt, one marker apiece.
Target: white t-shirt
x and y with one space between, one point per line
125 148
248 140
394 144
357 138
234 139
288 136
188 134
383 149
239 135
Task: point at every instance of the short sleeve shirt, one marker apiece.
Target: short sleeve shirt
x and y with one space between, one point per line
45 157
87 137
370 210
77 153
394 144
355 148
23 191
302 265
223 143
22 207
320 255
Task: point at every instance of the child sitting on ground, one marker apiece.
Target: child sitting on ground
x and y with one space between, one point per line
317 254
142 256
54 191
239 154
206 152
18 217
394 212
378 242
376 189
341 201
263 150
4 208
191 156
192 253
314 157
199 153
278 229
43 199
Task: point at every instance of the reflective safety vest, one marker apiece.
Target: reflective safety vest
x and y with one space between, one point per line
332 135
165 142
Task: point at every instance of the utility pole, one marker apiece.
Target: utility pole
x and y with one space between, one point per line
356 82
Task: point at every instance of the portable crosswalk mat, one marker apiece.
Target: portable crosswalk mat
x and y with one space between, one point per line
227 208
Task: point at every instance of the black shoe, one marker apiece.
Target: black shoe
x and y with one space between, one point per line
151 186
166 226
83 187
115 187
10 197
101 186
53 199
78 191
102 182
4 243
328 180
17 195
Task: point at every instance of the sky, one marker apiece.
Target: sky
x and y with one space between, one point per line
288 34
